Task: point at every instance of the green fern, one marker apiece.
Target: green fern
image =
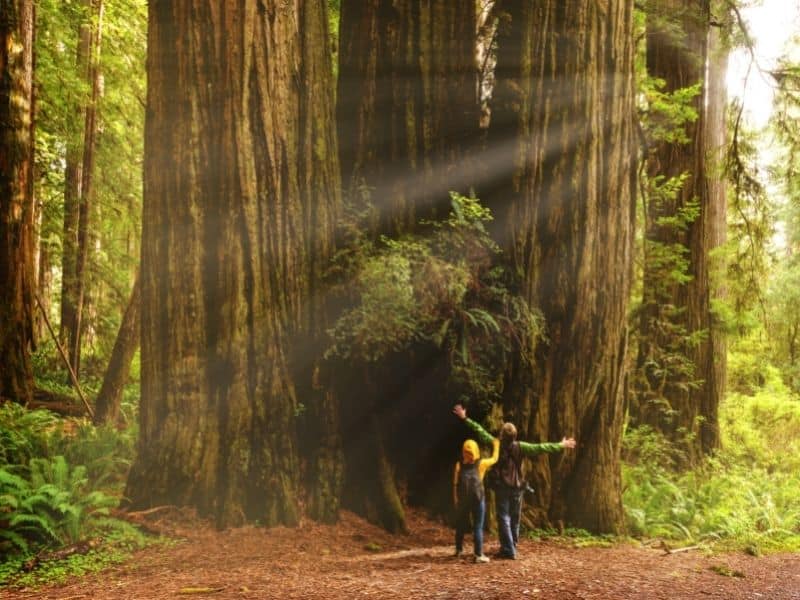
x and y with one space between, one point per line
56 506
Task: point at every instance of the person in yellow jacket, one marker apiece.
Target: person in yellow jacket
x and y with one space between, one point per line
469 497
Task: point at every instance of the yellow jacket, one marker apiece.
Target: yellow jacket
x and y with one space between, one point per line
470 454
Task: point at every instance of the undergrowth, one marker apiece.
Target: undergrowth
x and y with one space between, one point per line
745 497
580 538
59 480
116 543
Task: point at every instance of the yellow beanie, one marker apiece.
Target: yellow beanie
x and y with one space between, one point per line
470 451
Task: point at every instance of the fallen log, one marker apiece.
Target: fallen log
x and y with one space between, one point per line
61 404
82 547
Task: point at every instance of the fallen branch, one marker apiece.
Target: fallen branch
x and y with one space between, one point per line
668 550
150 511
72 374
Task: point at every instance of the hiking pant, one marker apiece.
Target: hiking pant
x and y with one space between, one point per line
508 504
477 510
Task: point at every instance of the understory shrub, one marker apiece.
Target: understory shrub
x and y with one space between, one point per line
445 287
747 495
59 478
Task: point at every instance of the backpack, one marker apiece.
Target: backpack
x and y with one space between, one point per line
507 471
470 488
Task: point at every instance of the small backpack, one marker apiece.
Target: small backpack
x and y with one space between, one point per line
507 471
470 487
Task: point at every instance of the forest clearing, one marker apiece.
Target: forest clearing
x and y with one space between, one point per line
357 560
280 277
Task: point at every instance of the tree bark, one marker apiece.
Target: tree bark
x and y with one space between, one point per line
237 212
109 398
408 109
714 365
321 208
564 205
17 283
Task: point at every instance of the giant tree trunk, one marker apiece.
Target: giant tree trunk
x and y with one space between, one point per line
239 199
563 108
408 120
16 200
682 403
407 105
320 189
106 408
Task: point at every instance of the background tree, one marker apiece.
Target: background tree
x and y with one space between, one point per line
681 352
87 172
73 179
238 197
17 283
115 188
109 397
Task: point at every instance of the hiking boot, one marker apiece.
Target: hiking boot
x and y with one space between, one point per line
505 556
481 559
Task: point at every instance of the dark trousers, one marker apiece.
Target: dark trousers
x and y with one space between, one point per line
466 509
508 503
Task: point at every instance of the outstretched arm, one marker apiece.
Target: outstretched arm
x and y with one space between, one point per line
529 449
483 436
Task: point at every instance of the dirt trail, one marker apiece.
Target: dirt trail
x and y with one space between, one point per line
356 560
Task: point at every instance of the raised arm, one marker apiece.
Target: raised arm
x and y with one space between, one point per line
483 436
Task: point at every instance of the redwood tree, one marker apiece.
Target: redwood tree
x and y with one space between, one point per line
87 169
408 121
563 110
676 326
16 200
73 176
240 195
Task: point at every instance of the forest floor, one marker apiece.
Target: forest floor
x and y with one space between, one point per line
357 560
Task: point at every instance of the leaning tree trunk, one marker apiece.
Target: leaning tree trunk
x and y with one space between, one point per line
565 201
233 221
16 200
676 315
107 404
